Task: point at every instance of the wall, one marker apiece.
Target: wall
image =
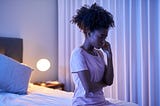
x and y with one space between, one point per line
36 22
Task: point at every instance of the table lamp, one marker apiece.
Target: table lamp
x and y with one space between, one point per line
43 64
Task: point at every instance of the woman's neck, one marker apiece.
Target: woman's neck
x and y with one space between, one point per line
88 48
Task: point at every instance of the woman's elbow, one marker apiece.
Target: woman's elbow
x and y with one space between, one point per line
109 81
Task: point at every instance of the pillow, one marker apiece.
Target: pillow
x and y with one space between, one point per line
14 76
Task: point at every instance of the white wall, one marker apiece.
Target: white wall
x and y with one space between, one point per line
36 22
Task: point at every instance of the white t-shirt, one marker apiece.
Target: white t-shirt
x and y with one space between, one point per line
80 61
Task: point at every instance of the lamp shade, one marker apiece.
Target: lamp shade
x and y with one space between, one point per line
43 64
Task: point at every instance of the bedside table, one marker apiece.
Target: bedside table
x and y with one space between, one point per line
51 84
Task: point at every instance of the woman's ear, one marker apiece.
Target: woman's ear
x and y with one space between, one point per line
88 34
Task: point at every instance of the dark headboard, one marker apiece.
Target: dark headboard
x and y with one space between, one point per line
12 47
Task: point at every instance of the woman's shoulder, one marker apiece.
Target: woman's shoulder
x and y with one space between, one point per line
77 54
77 50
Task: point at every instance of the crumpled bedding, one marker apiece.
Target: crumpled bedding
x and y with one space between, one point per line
42 96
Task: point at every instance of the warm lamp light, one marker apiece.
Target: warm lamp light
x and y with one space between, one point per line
43 64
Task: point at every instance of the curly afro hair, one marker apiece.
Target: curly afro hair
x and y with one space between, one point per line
93 17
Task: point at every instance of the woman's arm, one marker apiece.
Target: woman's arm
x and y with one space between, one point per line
108 73
87 84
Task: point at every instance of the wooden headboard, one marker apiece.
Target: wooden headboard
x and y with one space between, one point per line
12 47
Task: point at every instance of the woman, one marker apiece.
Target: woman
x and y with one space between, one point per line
89 71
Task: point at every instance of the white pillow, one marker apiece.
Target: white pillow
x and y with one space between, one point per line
14 76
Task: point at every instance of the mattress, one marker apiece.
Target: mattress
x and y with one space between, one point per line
42 96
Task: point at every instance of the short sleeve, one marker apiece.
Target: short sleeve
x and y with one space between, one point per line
77 61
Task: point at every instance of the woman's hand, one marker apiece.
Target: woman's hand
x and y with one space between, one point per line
107 48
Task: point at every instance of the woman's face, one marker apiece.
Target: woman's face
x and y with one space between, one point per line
97 37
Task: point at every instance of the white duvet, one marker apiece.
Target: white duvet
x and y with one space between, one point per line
41 96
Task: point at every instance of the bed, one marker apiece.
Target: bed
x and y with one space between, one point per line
32 95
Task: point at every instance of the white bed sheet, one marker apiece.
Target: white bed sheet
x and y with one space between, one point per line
42 96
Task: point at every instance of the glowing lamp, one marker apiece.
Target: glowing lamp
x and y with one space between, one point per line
43 64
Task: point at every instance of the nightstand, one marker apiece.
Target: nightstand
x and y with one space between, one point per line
51 84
